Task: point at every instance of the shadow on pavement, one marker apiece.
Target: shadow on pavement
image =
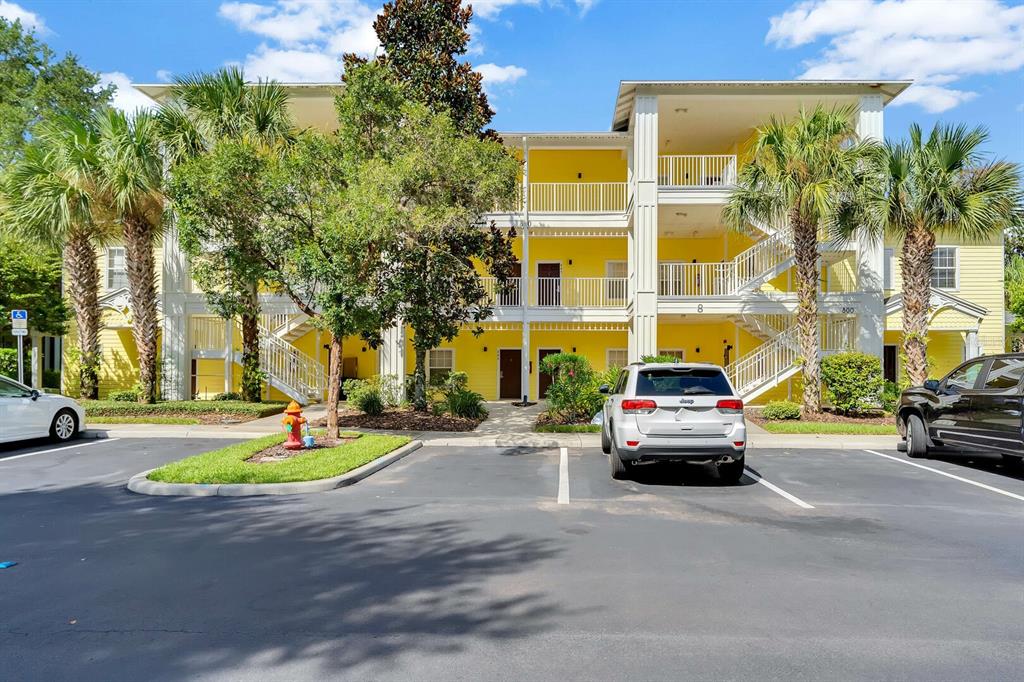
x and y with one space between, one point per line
677 474
981 461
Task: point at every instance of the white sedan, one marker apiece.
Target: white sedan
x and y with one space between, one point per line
26 413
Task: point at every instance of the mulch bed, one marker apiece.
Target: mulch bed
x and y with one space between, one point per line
402 420
278 453
827 417
545 419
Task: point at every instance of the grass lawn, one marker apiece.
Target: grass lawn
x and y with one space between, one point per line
228 465
796 426
151 419
568 428
182 408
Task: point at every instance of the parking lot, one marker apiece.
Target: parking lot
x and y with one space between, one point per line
505 563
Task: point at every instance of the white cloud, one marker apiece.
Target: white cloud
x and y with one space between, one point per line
164 75
500 75
293 66
490 9
126 98
13 12
934 42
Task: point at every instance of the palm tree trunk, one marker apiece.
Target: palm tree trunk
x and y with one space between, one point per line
419 391
83 288
916 268
333 386
138 248
805 253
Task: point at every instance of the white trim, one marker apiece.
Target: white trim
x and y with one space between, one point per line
888 267
497 371
956 266
428 364
108 271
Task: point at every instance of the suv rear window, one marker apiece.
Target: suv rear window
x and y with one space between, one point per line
682 381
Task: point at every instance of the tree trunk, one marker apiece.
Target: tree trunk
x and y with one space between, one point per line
805 253
419 391
83 285
333 386
916 267
251 376
138 248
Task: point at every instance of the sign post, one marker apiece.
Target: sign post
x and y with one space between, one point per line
19 327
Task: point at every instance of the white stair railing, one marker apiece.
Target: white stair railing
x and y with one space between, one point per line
291 367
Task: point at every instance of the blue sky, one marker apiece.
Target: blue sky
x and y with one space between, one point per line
555 64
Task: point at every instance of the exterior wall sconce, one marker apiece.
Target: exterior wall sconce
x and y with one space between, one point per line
485 349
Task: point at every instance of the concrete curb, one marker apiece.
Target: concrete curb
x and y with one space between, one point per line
139 483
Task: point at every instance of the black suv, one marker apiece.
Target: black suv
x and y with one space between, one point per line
977 406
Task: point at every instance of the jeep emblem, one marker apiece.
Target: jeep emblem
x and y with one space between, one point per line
686 401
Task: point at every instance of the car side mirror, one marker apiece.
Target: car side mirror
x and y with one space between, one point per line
34 394
932 385
603 388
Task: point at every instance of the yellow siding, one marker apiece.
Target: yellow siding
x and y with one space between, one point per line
577 165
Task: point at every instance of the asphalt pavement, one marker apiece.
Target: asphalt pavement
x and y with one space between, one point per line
515 564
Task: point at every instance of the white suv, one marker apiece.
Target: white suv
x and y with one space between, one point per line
686 412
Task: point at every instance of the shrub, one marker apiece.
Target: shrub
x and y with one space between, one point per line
573 395
51 378
781 409
852 381
9 362
466 403
660 358
126 396
891 397
364 395
229 395
109 408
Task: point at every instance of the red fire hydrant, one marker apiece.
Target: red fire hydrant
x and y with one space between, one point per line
293 421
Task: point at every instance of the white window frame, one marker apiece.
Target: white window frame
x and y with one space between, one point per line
430 363
608 357
674 352
889 255
111 271
956 267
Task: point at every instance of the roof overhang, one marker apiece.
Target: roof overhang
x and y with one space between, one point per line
939 300
162 91
628 90
616 140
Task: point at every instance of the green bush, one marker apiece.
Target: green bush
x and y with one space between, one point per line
364 395
51 378
660 358
781 409
891 392
111 408
126 396
9 362
573 395
852 381
466 403
229 395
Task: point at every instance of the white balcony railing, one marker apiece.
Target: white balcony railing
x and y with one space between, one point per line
697 170
208 333
578 292
696 279
506 297
578 197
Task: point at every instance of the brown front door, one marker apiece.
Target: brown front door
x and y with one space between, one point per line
549 284
510 364
543 378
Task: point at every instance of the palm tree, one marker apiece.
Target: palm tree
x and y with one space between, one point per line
941 185
49 196
809 171
204 109
131 171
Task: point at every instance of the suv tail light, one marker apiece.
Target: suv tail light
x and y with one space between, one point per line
638 406
730 406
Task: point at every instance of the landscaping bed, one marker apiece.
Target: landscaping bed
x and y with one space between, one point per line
178 411
554 423
259 461
402 419
827 423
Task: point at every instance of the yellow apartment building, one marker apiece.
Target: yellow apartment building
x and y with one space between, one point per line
623 254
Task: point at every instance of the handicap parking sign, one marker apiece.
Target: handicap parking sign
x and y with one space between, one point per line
19 319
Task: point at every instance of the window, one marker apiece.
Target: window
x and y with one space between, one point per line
887 269
117 277
944 275
1004 373
964 377
682 381
617 357
440 363
9 389
677 353
620 383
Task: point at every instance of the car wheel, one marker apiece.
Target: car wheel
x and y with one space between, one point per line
732 472
619 468
1014 461
606 443
917 440
64 426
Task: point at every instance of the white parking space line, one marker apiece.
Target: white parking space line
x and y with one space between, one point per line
779 491
563 476
66 447
947 475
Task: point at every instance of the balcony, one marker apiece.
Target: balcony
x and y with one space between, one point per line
578 197
692 171
609 293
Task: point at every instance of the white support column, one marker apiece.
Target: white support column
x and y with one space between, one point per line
36 365
870 252
643 237
391 355
524 282
174 339
229 355
972 350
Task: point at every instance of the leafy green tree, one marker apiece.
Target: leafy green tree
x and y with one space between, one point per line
49 195
30 276
225 257
812 172
36 87
421 40
941 185
131 171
